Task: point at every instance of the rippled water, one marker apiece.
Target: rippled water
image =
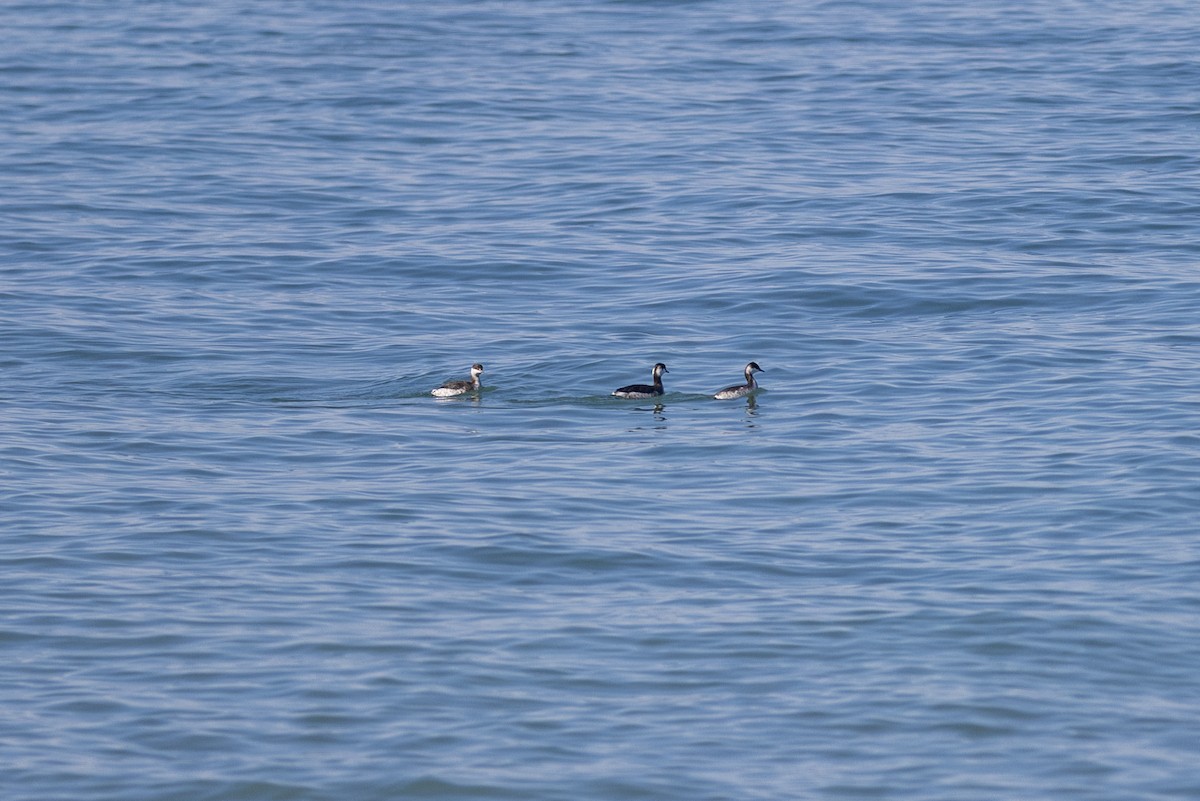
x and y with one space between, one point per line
948 552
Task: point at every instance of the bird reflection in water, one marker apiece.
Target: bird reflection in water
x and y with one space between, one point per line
659 417
751 411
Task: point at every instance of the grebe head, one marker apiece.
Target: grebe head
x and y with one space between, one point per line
659 369
753 367
476 369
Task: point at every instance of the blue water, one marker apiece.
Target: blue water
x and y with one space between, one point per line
949 552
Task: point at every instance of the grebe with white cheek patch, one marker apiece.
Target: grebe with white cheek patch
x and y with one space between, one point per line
741 390
458 387
644 390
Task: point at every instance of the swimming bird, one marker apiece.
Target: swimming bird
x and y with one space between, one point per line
457 387
741 390
644 390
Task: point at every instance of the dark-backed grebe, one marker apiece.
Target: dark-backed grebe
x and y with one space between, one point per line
741 390
457 387
644 390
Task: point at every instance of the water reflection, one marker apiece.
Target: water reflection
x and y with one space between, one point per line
659 416
474 398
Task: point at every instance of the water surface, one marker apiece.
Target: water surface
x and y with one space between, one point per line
948 552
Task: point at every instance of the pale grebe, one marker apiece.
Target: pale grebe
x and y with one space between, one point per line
741 390
452 388
644 390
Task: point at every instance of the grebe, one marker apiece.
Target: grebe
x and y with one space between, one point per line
741 390
644 390
452 388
